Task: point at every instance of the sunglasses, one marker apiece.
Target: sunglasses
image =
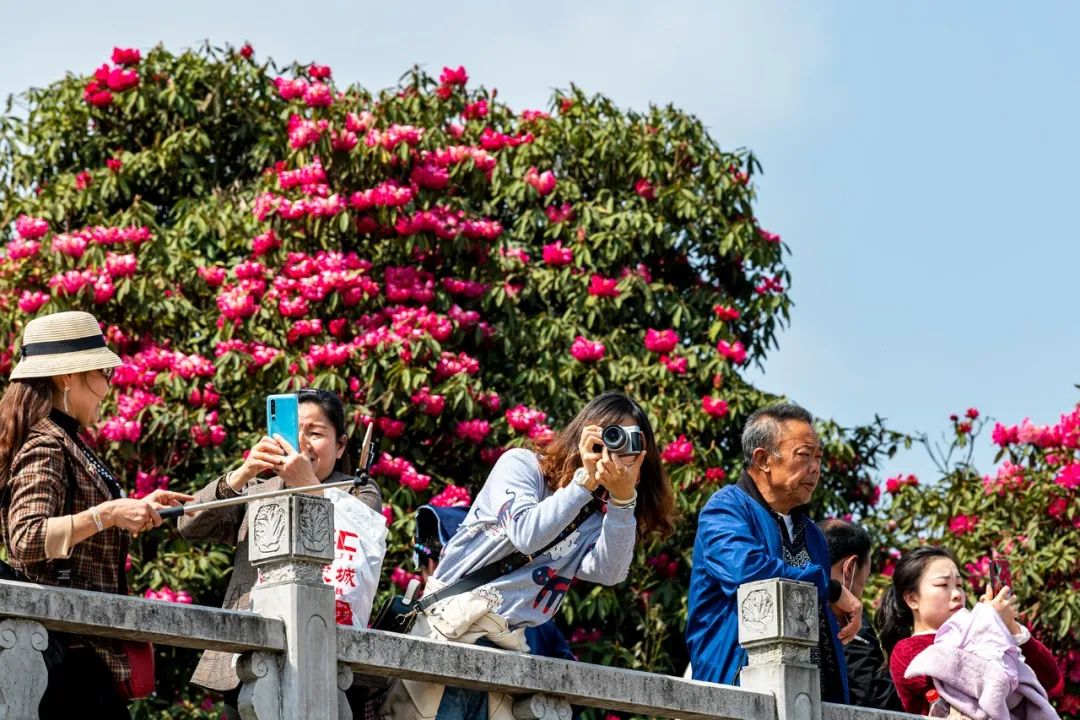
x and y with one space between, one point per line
108 373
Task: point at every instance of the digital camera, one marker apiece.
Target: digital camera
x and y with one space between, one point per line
623 439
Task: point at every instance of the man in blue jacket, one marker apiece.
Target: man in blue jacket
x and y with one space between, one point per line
758 529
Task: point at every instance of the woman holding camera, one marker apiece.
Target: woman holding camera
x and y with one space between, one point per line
573 509
65 518
927 589
321 458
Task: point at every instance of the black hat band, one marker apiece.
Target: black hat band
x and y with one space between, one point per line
59 347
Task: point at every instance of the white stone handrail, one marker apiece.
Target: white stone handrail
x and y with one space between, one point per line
295 662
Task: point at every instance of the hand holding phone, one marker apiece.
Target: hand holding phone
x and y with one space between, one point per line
1000 576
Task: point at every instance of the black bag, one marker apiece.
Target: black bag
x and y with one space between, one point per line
398 615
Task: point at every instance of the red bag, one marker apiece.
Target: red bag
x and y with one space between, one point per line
140 683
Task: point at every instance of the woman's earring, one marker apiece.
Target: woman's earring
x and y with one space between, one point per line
67 405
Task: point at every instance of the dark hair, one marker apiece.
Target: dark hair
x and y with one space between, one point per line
334 410
24 404
846 539
560 458
762 428
894 619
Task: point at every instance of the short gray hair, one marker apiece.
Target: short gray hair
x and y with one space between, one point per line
762 428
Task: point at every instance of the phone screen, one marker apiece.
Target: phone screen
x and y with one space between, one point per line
283 418
1000 575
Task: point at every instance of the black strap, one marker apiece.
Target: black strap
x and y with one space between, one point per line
56 347
510 563
63 567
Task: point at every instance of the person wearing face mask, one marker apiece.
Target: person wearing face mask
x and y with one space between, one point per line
758 529
869 682
573 508
927 589
321 458
66 520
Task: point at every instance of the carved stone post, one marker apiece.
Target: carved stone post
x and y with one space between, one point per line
543 707
778 625
292 539
23 676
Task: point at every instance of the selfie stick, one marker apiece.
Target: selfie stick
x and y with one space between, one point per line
367 459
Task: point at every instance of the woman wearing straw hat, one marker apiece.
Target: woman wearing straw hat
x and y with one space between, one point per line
65 518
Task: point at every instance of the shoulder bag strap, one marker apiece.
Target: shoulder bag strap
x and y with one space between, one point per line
510 563
63 567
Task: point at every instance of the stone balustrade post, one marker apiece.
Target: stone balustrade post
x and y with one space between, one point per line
23 676
291 540
778 626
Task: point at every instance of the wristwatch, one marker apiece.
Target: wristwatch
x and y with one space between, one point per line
581 477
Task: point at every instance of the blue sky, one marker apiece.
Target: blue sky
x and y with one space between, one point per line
920 158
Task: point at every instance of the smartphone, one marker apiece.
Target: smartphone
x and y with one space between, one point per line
1000 575
283 418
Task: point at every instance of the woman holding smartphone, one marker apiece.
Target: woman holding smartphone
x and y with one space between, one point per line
320 458
572 509
926 590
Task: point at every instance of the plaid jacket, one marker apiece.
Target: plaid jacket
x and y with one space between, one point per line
38 487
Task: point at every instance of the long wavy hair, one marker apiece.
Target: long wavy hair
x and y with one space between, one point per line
894 619
560 457
24 404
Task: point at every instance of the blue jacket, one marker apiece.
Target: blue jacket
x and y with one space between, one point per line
738 541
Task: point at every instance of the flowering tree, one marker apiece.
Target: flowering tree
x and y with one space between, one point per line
466 276
1026 512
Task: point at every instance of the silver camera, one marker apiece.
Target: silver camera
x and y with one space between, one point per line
623 439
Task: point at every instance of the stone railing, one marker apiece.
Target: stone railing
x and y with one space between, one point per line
289 670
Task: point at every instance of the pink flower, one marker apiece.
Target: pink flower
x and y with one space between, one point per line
528 116
725 313
126 56
714 407
391 428
661 341
768 236
32 301
119 266
894 484
715 474
388 513
17 248
732 351
523 419
121 80
664 565
451 496
414 481
645 189
1005 436
543 182
214 276
678 452
559 213
475 111
114 165
72 245
1069 476
290 89
83 180
148 482
558 256
318 94
1057 507
454 77
319 72
677 365
429 404
474 431
963 524
600 286
972 413
94 95
585 350
402 578
247 51
31 228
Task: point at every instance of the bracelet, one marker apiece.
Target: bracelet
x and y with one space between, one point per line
224 491
623 504
97 518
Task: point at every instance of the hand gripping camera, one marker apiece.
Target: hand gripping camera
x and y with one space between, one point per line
623 439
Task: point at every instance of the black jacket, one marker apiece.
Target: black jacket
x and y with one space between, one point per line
869 682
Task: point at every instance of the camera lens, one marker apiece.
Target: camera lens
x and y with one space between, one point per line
614 437
273 407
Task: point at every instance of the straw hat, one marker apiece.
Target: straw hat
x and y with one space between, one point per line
62 343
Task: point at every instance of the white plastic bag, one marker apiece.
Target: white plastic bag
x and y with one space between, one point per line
359 547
